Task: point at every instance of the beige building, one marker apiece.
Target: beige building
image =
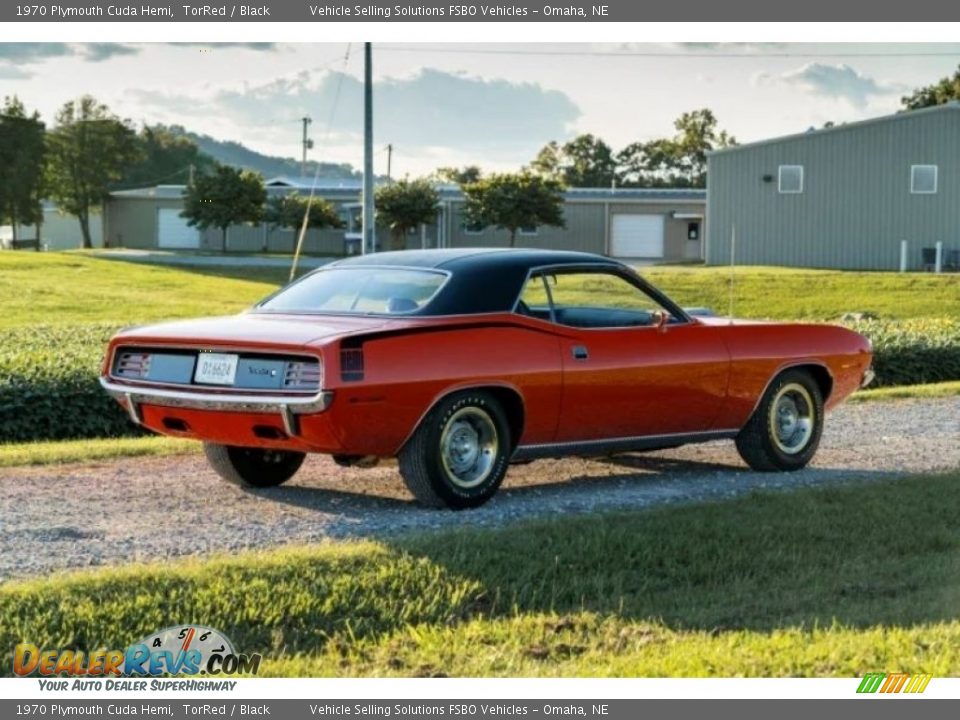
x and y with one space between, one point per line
637 224
58 231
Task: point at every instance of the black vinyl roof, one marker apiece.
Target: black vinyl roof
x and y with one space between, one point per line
482 279
456 259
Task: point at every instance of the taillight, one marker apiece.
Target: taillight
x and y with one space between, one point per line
132 365
302 375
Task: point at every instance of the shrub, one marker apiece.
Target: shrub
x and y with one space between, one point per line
912 352
49 388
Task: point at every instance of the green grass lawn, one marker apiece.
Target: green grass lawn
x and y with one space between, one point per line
789 294
75 288
819 582
905 392
73 451
78 288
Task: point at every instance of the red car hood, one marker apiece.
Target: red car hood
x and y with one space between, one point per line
251 329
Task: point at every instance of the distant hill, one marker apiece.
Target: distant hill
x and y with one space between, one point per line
233 153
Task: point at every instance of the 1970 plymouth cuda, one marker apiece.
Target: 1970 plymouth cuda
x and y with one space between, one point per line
459 362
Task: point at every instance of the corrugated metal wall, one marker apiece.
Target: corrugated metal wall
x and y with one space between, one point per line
61 231
856 205
132 223
586 230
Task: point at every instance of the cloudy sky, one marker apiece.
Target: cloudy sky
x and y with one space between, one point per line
489 104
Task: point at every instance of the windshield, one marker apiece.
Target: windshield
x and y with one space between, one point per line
359 290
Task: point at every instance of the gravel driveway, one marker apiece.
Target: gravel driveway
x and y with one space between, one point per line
73 516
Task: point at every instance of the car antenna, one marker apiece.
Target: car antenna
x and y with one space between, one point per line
733 250
316 175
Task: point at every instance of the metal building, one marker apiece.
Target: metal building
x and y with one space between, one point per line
58 231
841 197
642 224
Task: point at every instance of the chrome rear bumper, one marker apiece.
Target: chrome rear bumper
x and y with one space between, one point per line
288 406
867 378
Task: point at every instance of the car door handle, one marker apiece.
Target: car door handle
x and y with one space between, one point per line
580 352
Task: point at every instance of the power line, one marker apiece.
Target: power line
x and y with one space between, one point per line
666 54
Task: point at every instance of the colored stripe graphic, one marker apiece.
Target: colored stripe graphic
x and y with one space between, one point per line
894 683
871 682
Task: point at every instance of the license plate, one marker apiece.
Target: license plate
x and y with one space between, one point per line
216 369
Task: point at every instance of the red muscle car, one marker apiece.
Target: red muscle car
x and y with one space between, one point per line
459 362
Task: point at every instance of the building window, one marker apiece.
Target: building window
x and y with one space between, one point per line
528 230
790 179
472 228
923 179
693 231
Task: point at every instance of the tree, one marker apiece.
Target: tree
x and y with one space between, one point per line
90 149
649 164
514 201
549 161
22 150
585 161
698 135
288 211
458 176
405 205
679 161
227 196
941 92
165 157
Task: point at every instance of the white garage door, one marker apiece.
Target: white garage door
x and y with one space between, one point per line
174 233
636 236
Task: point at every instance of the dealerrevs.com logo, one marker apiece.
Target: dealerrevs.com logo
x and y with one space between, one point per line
178 650
892 683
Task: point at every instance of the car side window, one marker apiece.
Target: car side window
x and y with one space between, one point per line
534 300
589 299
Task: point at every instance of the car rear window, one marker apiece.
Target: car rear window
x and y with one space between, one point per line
392 291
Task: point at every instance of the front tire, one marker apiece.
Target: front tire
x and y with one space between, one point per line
784 431
459 454
253 467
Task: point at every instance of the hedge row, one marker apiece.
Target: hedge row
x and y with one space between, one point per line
49 388
911 352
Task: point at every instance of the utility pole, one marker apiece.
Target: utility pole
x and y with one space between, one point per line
369 242
389 160
193 170
307 144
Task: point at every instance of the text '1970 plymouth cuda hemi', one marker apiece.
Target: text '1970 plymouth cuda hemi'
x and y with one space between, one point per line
459 362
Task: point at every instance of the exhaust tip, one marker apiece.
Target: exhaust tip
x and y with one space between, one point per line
268 432
176 424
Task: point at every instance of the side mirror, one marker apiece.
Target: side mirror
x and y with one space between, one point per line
660 318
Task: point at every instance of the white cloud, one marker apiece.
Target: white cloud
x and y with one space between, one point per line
839 81
428 109
12 72
30 53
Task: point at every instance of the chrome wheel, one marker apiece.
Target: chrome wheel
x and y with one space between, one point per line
792 418
469 447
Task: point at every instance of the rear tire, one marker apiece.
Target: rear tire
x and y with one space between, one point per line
253 467
784 431
459 454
